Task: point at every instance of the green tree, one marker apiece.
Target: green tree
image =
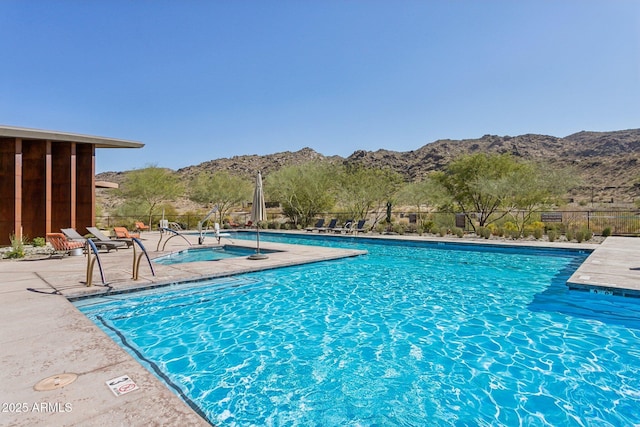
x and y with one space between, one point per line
535 186
303 191
150 186
220 189
478 184
363 190
422 195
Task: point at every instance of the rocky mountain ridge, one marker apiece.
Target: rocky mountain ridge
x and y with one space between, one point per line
607 162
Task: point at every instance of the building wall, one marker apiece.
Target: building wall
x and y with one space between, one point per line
85 187
8 175
45 186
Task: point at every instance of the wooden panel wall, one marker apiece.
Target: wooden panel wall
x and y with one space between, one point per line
34 188
45 186
61 197
7 187
85 187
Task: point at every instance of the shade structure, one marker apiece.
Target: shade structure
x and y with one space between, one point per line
258 214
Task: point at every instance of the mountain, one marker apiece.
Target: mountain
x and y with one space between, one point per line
607 162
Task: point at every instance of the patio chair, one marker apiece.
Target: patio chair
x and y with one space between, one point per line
73 235
61 245
359 226
345 228
141 227
331 226
102 240
231 223
318 225
123 233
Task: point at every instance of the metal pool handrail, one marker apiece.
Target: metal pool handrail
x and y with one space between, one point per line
169 230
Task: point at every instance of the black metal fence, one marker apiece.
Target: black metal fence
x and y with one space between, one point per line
621 223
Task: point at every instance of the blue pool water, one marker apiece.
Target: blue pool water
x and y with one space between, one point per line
409 334
205 254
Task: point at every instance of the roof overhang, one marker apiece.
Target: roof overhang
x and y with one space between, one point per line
98 141
106 184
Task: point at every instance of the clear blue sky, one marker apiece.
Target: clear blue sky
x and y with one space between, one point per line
200 80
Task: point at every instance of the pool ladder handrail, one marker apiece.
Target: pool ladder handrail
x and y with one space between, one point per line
138 257
90 246
202 221
164 230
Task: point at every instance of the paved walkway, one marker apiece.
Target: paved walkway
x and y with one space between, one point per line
613 268
43 335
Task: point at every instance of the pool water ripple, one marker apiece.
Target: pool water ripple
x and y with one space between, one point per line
402 336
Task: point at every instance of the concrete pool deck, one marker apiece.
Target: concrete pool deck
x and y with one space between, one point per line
44 335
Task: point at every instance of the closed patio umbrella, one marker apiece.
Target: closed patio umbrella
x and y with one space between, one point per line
258 213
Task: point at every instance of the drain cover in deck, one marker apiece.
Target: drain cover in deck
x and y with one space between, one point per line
55 381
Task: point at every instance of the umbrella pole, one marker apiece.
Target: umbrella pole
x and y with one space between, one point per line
257 239
258 255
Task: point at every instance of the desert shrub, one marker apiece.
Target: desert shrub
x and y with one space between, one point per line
428 226
579 236
570 234
17 247
588 234
39 242
495 230
398 228
552 235
484 232
606 232
443 231
458 232
538 233
412 228
513 234
511 230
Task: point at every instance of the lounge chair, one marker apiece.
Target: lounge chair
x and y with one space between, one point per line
360 226
318 225
140 226
233 224
101 239
61 245
331 226
123 233
345 228
73 235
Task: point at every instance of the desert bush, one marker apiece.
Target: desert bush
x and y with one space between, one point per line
606 232
458 232
443 231
380 227
428 226
17 247
552 235
484 232
398 228
39 242
570 234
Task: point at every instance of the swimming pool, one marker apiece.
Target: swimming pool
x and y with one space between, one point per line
205 254
410 334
